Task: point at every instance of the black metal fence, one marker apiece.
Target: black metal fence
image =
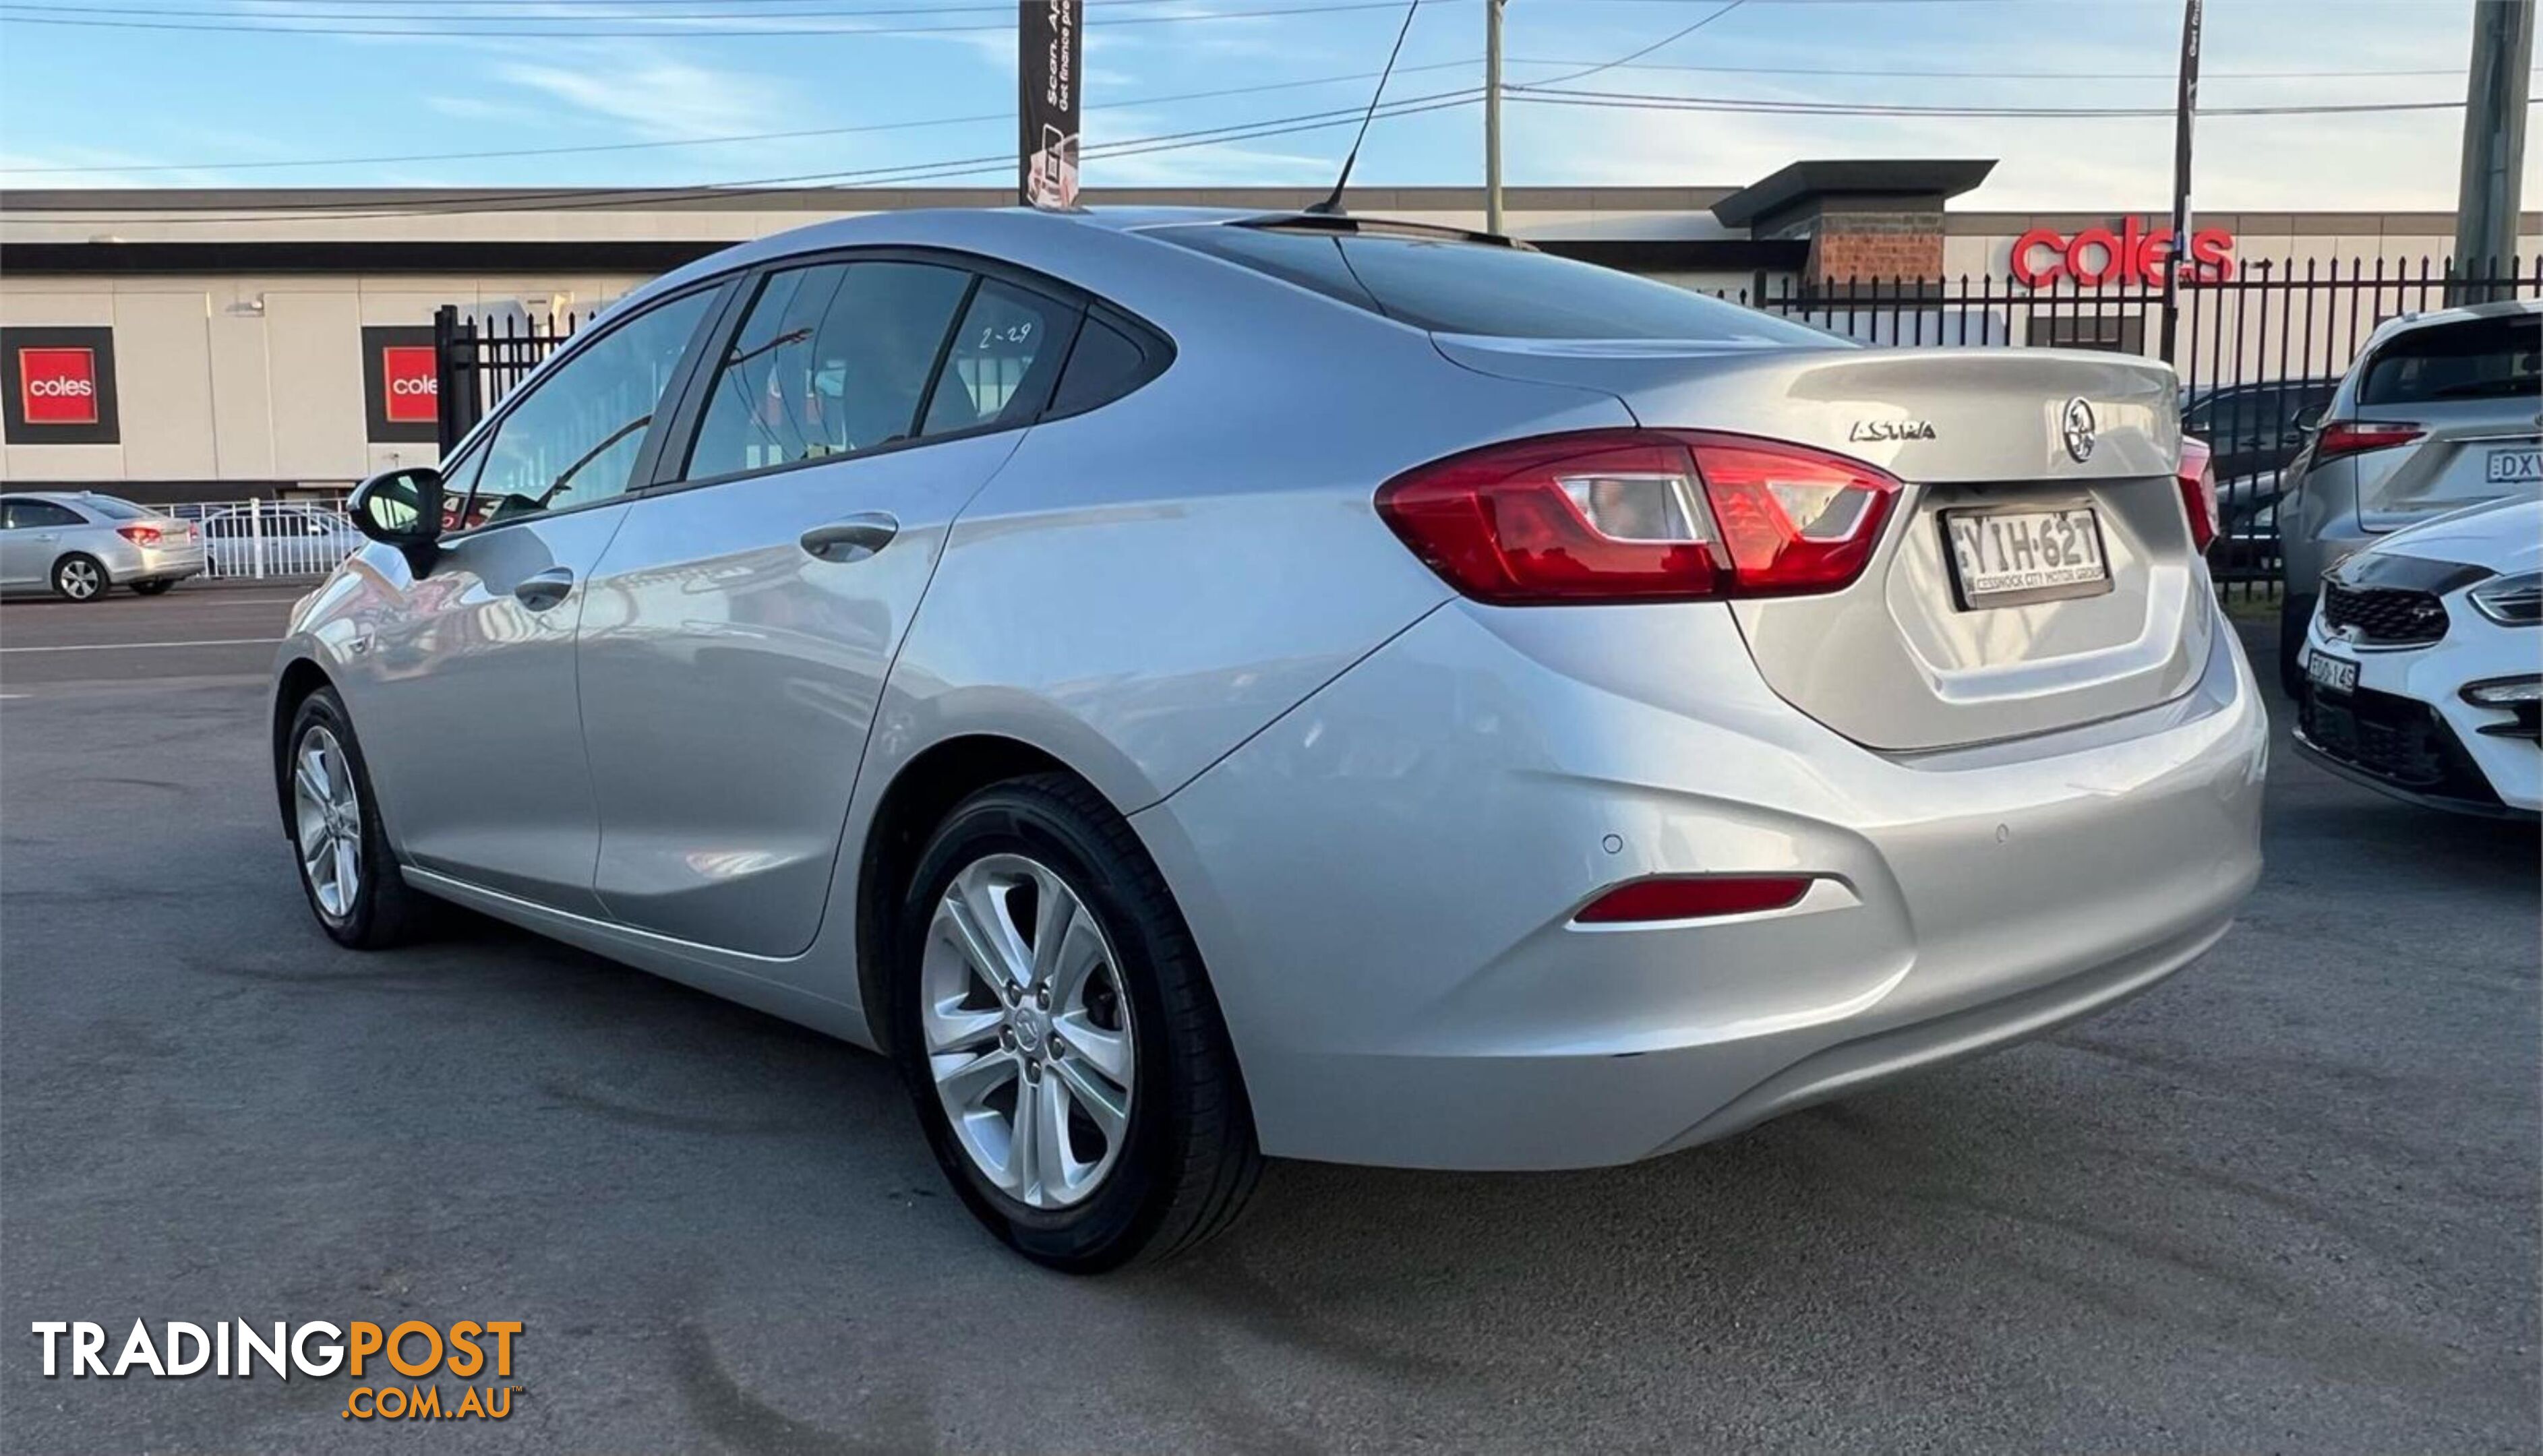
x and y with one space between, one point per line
478 357
2253 350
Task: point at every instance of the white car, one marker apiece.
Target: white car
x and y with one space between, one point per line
2421 667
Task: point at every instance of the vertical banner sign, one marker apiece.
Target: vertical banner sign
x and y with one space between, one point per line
2184 112
1051 47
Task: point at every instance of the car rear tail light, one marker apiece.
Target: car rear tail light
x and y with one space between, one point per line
2197 476
1692 897
2357 436
139 535
1640 515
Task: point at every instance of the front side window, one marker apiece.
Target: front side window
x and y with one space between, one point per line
575 437
832 359
2492 358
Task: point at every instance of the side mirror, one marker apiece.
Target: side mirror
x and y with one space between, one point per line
399 507
2309 419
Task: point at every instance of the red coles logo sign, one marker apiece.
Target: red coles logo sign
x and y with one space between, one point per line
57 386
407 372
2135 254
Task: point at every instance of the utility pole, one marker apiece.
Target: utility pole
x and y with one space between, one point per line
1493 116
2494 142
2185 111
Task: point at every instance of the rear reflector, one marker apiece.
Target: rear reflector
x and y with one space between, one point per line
139 535
1621 516
2357 436
1687 897
2197 476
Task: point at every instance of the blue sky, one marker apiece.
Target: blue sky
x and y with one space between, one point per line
119 102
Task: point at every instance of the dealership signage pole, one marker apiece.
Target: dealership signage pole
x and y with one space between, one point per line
2494 142
1493 116
1051 48
2185 109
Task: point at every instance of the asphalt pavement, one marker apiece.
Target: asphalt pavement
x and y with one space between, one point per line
2285 1202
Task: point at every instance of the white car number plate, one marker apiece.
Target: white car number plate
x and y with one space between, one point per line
2516 467
2006 558
2334 674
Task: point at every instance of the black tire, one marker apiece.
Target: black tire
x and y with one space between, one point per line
81 578
1189 1159
151 588
2296 614
383 911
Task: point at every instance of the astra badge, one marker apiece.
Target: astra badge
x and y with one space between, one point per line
2077 422
1890 429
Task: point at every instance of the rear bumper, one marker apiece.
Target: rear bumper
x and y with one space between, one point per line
127 563
1382 883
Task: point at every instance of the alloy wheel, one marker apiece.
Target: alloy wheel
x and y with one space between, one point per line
1027 1031
79 580
327 816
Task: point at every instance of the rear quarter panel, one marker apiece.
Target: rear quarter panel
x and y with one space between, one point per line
1145 585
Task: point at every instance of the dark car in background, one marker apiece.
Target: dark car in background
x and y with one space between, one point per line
2255 430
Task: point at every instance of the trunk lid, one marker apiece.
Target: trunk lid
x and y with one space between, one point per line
2451 467
1902 660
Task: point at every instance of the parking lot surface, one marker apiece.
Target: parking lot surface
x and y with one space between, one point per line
2286 1202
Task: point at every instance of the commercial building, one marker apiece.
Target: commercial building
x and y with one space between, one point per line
194 344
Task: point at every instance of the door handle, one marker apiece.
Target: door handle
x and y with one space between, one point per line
544 590
854 539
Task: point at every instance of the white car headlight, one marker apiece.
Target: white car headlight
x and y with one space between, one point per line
2512 601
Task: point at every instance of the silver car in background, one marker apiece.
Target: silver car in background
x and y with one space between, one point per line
79 545
1193 686
276 539
2440 411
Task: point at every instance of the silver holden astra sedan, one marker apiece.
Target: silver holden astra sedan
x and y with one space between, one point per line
1194 687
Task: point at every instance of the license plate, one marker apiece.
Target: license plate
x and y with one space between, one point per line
2006 558
2516 467
2330 673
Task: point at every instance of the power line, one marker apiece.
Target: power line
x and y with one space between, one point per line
1661 65
1633 101
540 10
976 118
1668 40
576 198
1327 7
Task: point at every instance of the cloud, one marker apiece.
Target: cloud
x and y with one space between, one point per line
654 96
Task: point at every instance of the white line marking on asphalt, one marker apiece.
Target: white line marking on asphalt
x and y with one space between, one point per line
125 646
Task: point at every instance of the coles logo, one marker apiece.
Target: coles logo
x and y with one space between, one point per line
414 391
2135 254
57 386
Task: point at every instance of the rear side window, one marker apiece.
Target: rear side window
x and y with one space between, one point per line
23 514
1106 365
831 360
2473 359
1447 287
998 362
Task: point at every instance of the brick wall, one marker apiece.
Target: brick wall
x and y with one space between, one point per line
1876 245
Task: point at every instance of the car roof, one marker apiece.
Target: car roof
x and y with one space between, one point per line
1026 236
2462 313
69 497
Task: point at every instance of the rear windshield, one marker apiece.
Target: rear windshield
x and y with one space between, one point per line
112 508
2474 360
1455 287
